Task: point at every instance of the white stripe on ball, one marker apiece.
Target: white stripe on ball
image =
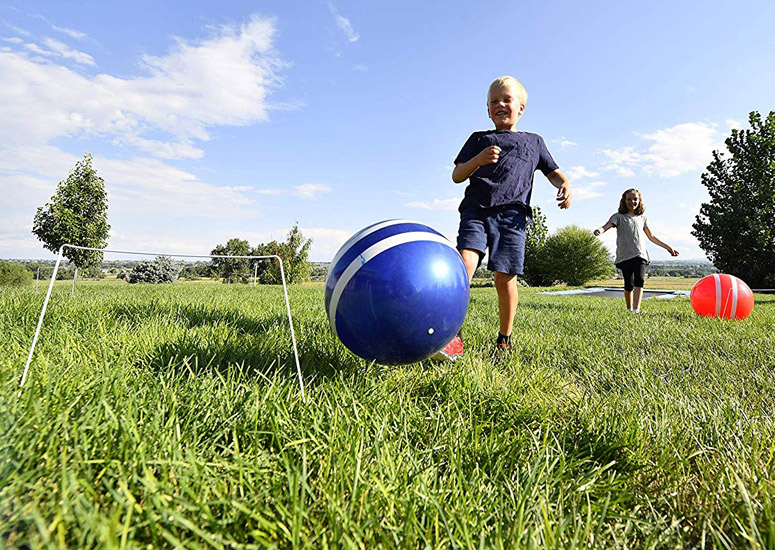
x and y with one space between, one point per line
368 254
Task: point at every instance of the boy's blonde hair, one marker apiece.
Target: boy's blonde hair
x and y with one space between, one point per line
504 81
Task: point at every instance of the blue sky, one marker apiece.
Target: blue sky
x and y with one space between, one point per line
236 119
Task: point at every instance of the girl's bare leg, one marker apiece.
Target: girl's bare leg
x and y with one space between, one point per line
637 296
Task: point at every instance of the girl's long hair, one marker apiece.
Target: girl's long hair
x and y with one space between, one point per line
623 202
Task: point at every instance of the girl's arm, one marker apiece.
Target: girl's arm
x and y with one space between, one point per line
657 242
601 230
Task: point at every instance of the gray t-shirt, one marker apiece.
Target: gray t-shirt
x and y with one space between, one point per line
630 237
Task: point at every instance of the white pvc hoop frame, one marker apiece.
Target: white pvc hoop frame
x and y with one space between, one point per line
59 260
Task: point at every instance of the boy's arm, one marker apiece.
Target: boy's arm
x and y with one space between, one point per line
653 239
562 184
464 170
603 229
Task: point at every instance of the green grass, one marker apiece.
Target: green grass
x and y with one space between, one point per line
163 417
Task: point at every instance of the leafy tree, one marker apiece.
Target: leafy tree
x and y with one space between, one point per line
160 270
194 272
537 233
77 214
65 274
14 275
94 272
294 253
233 269
736 229
572 256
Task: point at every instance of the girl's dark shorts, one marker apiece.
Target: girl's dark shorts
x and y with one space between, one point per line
501 230
634 272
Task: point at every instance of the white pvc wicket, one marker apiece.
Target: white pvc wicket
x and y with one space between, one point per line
59 260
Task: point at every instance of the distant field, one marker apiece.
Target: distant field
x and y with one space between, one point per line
171 417
656 283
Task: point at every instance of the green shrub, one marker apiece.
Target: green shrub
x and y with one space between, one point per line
572 256
160 270
14 275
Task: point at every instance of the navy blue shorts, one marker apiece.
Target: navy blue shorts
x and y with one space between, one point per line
501 230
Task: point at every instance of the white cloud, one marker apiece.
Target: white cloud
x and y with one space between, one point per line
14 40
34 48
622 161
344 25
588 191
165 111
325 242
182 94
436 204
310 190
18 30
144 185
579 172
304 191
680 149
67 52
567 144
165 149
677 150
72 33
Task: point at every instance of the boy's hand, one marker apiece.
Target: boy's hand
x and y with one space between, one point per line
489 155
597 232
673 251
563 195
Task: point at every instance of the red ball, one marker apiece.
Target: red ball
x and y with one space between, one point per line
721 295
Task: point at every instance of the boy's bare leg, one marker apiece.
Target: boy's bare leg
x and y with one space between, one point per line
471 259
628 298
508 298
637 296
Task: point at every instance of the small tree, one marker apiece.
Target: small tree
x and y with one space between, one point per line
736 229
537 233
14 275
573 256
77 214
294 253
233 268
160 270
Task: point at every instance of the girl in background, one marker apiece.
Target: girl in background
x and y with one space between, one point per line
632 229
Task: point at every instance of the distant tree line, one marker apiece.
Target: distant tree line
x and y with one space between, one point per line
680 269
294 253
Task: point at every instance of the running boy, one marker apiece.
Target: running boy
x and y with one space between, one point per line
499 165
631 254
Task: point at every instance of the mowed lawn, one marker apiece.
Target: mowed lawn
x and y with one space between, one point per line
171 417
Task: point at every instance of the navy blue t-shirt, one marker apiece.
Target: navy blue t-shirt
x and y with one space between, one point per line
510 180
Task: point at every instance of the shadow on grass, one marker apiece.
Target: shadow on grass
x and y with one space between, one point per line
263 345
592 448
561 306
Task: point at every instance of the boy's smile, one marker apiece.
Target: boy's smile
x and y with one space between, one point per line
504 107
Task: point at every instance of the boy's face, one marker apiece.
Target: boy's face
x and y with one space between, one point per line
504 107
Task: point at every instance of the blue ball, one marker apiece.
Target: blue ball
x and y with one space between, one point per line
396 292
